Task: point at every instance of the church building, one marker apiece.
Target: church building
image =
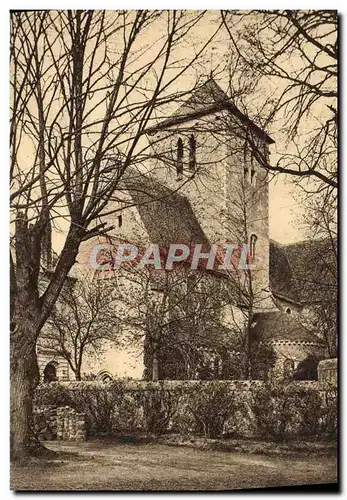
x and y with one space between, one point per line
203 184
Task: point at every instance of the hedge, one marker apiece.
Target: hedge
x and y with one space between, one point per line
212 409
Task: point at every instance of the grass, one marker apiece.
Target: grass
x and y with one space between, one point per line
287 448
111 465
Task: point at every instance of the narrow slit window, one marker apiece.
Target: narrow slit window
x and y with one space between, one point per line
192 153
252 169
120 220
179 165
288 367
253 241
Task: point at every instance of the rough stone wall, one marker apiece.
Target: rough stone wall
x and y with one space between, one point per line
205 189
327 372
131 400
296 351
62 423
289 307
248 212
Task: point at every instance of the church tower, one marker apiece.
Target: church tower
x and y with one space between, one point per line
212 153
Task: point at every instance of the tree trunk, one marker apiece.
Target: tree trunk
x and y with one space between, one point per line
155 364
24 378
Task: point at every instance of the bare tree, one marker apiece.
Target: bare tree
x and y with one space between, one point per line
83 322
175 315
296 54
84 87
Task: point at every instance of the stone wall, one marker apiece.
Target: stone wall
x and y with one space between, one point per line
327 372
296 351
64 423
171 406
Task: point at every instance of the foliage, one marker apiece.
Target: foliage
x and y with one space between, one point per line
307 369
328 416
214 409
96 400
160 406
85 85
263 358
298 51
282 410
211 405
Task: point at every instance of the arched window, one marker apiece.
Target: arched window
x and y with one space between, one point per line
288 310
192 153
288 368
104 376
252 243
179 165
50 373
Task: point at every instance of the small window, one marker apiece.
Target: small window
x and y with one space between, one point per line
192 153
120 220
252 243
288 367
288 310
252 169
179 165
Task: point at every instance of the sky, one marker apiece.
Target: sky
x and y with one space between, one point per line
283 209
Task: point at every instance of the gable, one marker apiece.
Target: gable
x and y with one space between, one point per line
207 99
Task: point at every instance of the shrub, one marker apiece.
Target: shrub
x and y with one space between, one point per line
128 414
160 407
53 394
212 409
283 410
328 413
211 405
96 400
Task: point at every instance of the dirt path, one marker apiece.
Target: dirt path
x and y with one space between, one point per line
95 465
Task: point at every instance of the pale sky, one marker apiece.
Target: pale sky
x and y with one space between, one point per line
284 212
283 209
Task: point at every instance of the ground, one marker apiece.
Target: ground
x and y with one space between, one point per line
100 465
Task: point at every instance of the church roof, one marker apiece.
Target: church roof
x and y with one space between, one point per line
167 215
279 326
305 271
207 99
169 218
281 277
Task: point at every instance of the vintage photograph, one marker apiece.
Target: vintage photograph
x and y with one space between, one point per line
173 250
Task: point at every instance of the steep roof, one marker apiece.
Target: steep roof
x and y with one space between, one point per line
169 218
207 99
303 272
167 215
281 276
275 326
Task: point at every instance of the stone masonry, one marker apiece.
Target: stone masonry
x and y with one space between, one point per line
62 423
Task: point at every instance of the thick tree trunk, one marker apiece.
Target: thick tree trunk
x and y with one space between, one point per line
24 378
29 314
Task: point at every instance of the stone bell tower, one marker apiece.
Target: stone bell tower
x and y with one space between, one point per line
212 153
